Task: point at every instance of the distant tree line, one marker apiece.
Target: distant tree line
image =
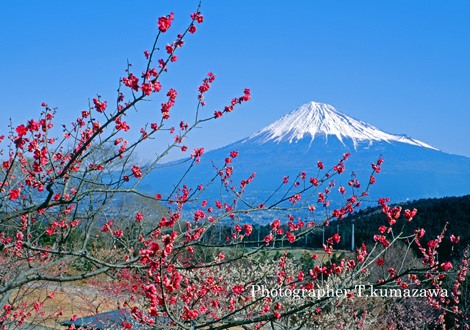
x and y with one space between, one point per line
433 215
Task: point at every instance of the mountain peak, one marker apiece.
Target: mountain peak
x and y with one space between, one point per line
315 119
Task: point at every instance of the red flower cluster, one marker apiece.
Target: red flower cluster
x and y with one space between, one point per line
198 152
164 22
99 106
334 239
136 171
229 108
409 214
197 16
139 217
131 81
172 93
206 85
14 194
21 130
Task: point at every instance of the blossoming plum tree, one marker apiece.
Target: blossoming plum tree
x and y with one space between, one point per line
58 200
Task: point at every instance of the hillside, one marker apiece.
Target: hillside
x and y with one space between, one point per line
433 214
318 132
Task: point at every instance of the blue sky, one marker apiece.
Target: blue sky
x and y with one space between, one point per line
401 66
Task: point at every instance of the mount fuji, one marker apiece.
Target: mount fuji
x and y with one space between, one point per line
322 120
316 131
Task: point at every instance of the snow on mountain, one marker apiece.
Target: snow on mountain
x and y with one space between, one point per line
320 119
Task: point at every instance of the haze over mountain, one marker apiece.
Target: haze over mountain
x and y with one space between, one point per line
317 131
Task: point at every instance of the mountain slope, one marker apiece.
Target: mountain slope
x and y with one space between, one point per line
316 131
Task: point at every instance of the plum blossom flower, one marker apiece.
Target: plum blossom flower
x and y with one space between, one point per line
14 194
99 106
136 171
164 22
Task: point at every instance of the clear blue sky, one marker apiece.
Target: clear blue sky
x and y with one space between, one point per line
402 66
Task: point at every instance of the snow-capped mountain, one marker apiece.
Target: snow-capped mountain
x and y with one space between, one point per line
320 119
317 131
